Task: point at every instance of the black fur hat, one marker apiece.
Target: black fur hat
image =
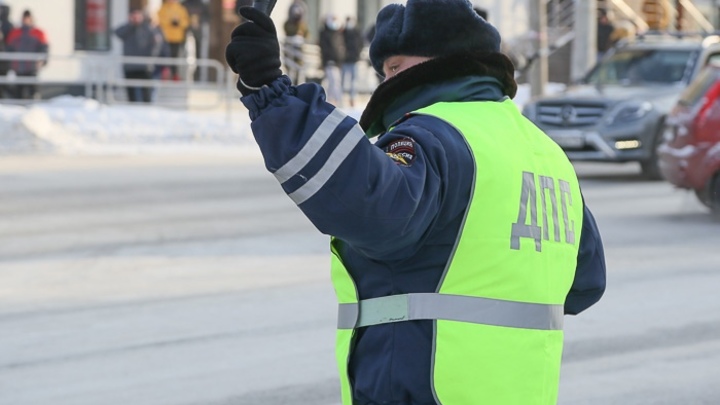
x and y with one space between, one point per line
430 28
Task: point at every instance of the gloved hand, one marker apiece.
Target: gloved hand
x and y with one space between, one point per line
254 51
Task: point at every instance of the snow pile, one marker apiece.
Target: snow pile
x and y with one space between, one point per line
76 125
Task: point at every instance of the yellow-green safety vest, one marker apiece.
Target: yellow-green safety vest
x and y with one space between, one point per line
498 308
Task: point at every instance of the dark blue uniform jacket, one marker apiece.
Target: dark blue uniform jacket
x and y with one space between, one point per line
395 207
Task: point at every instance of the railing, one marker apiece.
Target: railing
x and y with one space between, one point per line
629 13
560 31
692 20
310 68
101 77
696 17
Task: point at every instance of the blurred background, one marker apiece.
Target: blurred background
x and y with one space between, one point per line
85 57
147 257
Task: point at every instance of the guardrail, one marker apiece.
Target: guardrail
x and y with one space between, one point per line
101 77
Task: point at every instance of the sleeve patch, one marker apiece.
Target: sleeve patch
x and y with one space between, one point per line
402 151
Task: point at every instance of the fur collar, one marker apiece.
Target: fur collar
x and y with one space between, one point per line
437 70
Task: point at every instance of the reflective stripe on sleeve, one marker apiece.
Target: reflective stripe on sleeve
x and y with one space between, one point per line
427 306
338 156
311 148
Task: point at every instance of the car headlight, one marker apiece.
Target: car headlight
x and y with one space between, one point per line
629 112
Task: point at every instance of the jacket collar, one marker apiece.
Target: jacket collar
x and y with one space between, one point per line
463 77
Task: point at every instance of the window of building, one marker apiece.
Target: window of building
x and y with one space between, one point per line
92 25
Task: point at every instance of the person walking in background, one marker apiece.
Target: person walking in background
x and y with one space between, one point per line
5 27
332 54
296 32
604 34
199 14
174 21
27 39
354 42
459 235
656 14
139 39
161 50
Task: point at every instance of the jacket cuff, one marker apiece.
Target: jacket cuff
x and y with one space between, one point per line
257 101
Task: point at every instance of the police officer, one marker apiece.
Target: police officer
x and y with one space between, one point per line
459 236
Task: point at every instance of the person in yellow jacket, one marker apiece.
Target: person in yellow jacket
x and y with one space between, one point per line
657 14
174 21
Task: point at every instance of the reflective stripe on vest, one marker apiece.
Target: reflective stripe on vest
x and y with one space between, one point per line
424 306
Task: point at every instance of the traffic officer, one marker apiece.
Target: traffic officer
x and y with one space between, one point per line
459 232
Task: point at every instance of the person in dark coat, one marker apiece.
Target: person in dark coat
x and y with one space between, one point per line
353 40
5 27
332 55
27 39
604 34
139 39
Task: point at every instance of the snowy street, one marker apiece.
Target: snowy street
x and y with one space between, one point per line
192 280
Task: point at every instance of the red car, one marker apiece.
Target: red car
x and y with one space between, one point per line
689 155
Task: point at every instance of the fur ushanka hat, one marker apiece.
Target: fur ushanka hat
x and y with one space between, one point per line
430 28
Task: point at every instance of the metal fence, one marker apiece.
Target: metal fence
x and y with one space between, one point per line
101 77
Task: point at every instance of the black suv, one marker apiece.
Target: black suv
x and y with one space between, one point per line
616 113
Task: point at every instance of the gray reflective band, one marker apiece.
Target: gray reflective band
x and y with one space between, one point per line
311 148
425 306
338 156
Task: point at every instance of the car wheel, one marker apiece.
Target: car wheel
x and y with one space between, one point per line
714 195
703 196
651 167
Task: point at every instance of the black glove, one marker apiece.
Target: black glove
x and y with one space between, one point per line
254 51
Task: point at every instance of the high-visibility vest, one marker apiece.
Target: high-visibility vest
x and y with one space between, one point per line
499 306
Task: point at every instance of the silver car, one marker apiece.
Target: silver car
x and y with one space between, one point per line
617 112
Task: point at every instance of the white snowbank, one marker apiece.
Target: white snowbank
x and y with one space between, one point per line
76 125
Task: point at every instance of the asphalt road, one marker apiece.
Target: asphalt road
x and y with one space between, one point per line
195 281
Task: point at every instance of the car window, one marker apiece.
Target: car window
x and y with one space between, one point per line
641 66
699 86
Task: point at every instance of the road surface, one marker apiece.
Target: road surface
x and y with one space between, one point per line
193 280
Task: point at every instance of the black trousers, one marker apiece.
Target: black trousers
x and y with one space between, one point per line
138 94
175 53
24 91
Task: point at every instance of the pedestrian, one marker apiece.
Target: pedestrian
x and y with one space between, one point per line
199 14
353 40
160 71
604 34
656 14
174 21
139 40
332 54
296 32
459 234
27 39
5 27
